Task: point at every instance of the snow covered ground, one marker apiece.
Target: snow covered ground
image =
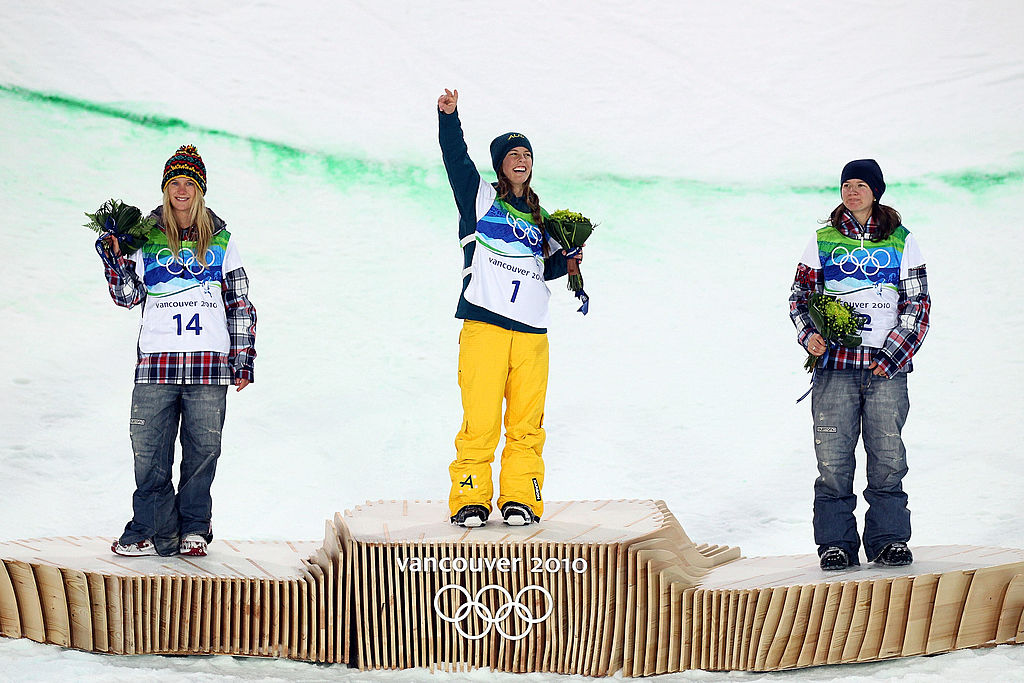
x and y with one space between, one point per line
707 138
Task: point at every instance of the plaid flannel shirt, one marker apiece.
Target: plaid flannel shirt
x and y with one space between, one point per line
903 341
194 367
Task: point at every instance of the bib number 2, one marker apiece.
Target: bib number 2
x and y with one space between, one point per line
192 325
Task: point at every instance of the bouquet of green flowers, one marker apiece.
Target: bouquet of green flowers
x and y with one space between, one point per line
122 221
836 321
571 229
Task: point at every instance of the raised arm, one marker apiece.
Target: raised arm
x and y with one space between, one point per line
462 173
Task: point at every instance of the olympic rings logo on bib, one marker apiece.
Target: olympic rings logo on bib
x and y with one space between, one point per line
523 230
186 260
867 263
511 607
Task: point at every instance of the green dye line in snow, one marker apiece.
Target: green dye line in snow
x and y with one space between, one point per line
340 166
337 166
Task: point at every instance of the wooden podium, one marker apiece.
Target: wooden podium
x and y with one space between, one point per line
598 587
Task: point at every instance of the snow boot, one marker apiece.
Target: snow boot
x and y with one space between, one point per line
834 559
518 514
471 516
895 555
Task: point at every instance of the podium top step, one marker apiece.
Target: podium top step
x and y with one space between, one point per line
577 521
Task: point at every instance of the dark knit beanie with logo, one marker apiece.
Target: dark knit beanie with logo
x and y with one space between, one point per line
186 163
867 170
502 144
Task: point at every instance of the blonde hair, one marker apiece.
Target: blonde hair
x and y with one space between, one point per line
198 216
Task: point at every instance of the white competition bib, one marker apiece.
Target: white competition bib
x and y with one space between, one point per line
865 275
191 320
508 267
184 308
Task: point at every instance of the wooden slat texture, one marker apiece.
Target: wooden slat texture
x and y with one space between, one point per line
79 608
858 622
798 631
1011 611
950 597
575 595
816 613
878 612
828 623
98 610
919 619
54 602
28 598
10 617
791 629
897 616
780 616
979 621
115 614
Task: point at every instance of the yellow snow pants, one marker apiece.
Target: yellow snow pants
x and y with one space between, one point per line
496 364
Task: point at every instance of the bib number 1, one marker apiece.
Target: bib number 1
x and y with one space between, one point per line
192 325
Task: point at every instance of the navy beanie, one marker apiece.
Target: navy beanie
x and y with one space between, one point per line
867 170
502 144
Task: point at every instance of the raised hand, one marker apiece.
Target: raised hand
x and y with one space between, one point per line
448 101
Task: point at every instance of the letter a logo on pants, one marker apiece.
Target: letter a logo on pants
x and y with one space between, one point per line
468 481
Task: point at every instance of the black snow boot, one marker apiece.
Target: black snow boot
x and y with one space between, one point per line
471 516
834 558
518 514
895 555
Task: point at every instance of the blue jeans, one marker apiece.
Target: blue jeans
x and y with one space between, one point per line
844 404
157 411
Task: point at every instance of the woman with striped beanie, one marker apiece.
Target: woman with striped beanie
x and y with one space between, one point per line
197 337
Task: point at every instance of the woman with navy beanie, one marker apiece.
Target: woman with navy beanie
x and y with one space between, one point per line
503 346
196 338
865 257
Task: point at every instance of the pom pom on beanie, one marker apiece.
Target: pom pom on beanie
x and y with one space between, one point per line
186 163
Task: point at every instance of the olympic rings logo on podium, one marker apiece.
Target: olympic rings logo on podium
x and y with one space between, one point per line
523 230
869 260
510 607
186 260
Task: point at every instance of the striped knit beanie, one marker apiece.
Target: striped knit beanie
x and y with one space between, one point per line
186 163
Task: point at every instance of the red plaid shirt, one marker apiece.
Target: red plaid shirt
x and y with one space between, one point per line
194 367
903 341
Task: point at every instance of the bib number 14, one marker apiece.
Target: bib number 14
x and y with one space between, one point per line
192 325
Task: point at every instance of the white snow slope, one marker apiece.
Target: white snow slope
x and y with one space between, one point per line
707 138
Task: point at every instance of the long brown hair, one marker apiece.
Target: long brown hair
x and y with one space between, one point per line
199 217
532 201
887 218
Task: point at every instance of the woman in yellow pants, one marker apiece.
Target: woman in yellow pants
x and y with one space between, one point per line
503 346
